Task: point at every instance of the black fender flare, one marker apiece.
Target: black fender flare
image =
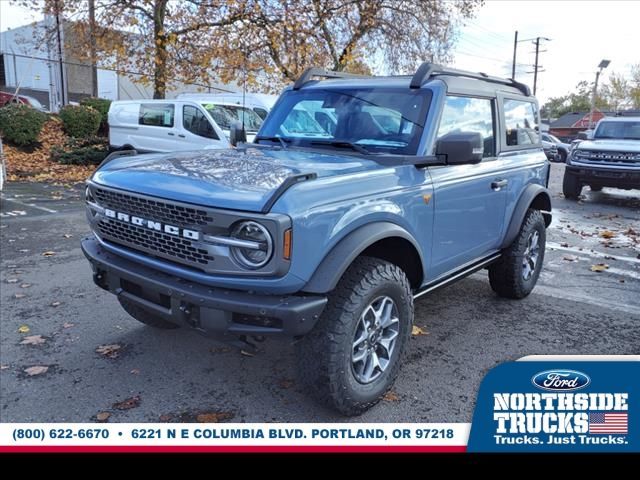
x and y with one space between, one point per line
335 263
533 195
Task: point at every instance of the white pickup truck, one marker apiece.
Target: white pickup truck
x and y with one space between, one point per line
609 158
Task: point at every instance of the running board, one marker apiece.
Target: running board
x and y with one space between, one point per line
452 277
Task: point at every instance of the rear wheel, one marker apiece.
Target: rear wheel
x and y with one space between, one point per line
517 271
145 317
571 186
352 356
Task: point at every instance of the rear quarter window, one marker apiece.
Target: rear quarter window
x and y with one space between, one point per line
520 123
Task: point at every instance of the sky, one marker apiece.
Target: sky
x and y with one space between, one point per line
582 33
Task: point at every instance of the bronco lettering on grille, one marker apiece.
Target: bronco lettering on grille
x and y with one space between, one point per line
152 225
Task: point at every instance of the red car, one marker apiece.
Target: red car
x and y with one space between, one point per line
6 97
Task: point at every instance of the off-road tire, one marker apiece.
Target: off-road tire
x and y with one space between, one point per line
324 355
506 275
145 317
571 186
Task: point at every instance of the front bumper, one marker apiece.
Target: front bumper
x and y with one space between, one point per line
606 177
211 311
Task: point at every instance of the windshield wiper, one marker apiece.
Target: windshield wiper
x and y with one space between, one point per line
343 144
283 141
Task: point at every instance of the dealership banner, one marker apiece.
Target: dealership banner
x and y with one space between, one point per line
537 404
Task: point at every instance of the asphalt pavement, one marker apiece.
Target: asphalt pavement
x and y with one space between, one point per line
94 359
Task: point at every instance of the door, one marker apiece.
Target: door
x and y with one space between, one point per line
157 128
197 132
469 200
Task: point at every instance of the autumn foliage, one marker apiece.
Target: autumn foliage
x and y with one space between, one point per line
36 164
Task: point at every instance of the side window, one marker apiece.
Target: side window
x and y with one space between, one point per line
466 114
262 113
156 114
521 123
195 121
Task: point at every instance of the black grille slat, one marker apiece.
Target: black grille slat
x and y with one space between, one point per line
152 209
154 242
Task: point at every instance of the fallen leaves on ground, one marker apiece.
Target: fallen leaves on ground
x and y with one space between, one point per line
135 371
128 403
55 304
391 396
67 235
36 370
48 253
33 340
67 325
24 329
165 418
25 285
19 295
4 367
416 330
12 280
570 258
607 234
36 165
220 349
103 416
109 351
214 417
246 353
599 267
564 244
285 383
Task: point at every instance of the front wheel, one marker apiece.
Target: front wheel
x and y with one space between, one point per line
571 186
352 356
517 271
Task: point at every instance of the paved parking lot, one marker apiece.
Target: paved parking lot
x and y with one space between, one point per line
148 375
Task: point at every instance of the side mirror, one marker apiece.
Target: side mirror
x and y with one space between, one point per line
237 134
461 148
586 135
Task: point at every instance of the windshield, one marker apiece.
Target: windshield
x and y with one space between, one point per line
551 138
226 115
620 130
378 120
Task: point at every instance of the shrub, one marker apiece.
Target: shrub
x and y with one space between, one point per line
80 121
89 151
102 105
21 124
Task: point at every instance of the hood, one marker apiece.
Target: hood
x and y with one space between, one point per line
611 145
231 179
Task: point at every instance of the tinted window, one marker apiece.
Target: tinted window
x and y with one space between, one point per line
156 114
262 113
227 115
379 120
521 123
194 120
621 130
464 114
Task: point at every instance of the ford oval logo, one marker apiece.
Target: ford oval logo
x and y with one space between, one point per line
560 380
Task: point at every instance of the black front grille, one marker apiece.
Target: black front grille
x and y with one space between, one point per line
627 158
156 243
151 209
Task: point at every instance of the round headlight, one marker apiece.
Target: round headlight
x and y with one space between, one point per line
255 246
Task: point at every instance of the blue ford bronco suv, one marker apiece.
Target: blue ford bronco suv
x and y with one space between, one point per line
358 195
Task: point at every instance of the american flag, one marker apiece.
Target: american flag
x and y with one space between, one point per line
614 422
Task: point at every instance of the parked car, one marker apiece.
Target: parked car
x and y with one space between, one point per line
563 148
609 158
261 103
163 126
328 234
551 151
3 170
6 98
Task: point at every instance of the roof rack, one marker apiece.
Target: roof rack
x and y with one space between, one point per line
428 70
309 73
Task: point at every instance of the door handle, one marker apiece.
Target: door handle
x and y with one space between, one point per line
182 136
171 133
498 184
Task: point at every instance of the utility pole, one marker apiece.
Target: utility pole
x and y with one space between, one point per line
537 66
92 48
63 96
515 49
603 64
